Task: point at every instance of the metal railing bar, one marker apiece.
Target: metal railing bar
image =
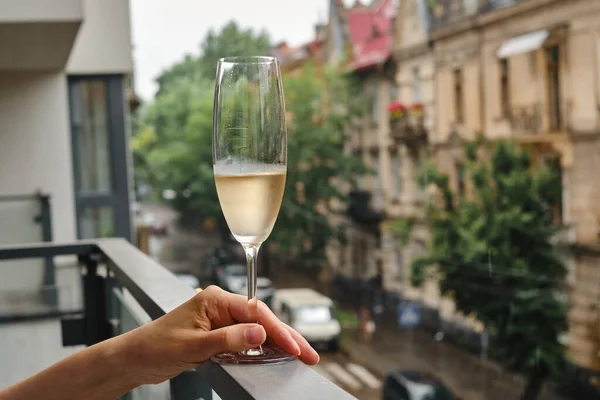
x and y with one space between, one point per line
41 250
36 316
280 381
158 291
20 197
154 287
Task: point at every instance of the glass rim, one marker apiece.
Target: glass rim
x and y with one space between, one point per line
248 60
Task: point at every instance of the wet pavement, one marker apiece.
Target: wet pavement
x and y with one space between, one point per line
351 376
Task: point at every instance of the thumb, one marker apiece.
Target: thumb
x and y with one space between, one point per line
234 338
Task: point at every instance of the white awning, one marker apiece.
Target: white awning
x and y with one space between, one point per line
523 44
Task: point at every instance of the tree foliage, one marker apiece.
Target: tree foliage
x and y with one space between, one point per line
172 146
230 41
319 103
492 251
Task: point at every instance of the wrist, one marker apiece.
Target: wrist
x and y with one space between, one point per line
120 354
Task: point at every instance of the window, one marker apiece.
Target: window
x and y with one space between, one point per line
399 264
97 223
394 92
416 81
460 178
377 184
360 250
504 87
396 174
89 120
458 96
375 102
98 115
553 84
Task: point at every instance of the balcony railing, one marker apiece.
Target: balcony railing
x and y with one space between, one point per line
114 268
409 130
493 5
448 12
525 120
34 289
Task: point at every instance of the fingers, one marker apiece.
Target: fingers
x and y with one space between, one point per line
232 338
276 330
308 355
280 335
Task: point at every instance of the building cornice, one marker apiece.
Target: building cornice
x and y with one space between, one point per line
480 20
406 53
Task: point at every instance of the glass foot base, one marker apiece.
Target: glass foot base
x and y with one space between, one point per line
264 355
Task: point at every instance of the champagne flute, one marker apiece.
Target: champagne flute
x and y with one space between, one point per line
249 161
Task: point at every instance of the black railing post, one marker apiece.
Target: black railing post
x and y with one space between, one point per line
97 328
50 290
189 386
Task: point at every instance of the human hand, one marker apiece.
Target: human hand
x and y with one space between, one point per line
212 322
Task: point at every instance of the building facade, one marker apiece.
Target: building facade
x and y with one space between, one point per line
526 70
64 117
366 33
529 70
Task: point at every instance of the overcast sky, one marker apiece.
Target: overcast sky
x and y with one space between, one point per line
165 30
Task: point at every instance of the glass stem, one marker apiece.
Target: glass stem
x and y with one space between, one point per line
251 251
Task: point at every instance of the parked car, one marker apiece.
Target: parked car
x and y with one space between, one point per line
234 278
215 257
230 277
311 314
415 385
264 286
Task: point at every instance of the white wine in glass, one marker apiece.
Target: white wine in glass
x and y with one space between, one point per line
250 200
250 162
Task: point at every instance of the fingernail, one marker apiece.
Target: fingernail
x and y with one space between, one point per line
254 335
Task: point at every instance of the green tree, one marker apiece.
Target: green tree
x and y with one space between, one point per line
230 41
492 251
172 146
320 104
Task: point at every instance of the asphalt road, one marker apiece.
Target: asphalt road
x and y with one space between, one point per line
350 376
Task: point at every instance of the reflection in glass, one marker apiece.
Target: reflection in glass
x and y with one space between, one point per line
97 223
90 126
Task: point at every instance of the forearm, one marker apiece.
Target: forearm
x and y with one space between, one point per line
102 371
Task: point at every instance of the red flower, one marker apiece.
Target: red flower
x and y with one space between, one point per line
417 107
396 106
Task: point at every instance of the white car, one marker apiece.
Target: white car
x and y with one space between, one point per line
311 314
189 279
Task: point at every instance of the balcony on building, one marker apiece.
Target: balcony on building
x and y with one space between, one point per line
447 13
38 34
444 13
542 115
494 5
407 125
